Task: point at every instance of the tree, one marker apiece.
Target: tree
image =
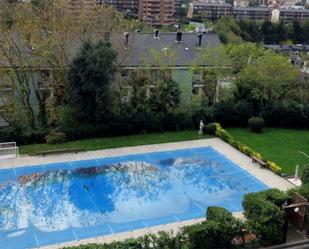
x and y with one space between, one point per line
270 78
89 77
243 54
37 43
218 68
298 32
165 97
268 32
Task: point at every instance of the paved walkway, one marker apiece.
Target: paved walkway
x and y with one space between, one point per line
264 175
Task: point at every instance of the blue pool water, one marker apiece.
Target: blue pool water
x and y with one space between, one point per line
53 203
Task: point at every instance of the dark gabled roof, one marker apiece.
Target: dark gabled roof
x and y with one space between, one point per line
144 49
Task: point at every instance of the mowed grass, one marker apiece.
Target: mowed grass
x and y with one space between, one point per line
279 145
114 142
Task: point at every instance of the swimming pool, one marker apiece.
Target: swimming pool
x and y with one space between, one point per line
54 203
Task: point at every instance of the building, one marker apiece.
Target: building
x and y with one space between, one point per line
253 13
211 11
157 12
139 51
128 6
77 6
201 11
294 14
183 50
241 3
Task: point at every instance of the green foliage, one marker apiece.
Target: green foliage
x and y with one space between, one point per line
55 137
279 145
264 216
227 137
256 124
269 79
305 175
208 234
219 214
210 129
90 75
243 54
165 97
234 31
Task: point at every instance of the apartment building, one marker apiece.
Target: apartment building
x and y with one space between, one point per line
211 11
253 13
157 12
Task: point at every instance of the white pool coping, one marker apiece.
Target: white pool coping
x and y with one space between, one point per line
267 177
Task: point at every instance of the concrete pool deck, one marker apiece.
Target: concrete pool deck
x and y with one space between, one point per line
264 175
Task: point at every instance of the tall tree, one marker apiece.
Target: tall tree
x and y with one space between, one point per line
38 40
270 78
89 77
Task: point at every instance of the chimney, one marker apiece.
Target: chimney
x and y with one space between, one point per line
107 36
126 36
156 34
178 37
199 37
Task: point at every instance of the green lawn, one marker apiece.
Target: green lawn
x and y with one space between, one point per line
278 145
114 142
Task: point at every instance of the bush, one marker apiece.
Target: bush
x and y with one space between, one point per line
209 235
305 175
219 214
274 167
264 216
256 124
210 129
55 137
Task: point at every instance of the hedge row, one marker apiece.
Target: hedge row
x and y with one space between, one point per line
227 137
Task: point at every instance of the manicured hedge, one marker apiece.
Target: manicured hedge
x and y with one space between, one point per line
265 216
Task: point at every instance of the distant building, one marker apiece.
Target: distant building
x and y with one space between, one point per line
211 11
76 6
294 14
157 12
275 16
201 11
253 13
241 3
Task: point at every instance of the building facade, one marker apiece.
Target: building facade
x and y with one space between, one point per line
157 12
201 11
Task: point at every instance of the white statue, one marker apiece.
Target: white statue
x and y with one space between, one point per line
200 132
296 173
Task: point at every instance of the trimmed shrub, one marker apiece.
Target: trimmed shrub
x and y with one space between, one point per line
219 214
55 137
273 167
210 129
209 235
305 175
256 124
264 216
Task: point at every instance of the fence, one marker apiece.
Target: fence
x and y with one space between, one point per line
8 150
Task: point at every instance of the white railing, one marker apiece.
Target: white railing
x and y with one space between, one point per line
8 150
